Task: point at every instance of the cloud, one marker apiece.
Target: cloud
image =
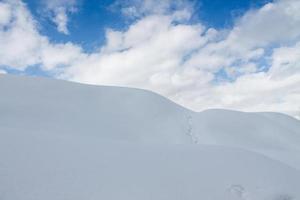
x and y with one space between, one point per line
252 67
3 71
274 23
5 13
22 46
58 11
19 39
141 8
150 54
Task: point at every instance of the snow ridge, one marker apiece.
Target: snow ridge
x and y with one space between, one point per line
62 140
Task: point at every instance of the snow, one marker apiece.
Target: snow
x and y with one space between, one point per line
62 140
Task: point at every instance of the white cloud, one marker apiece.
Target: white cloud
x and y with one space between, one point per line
140 8
286 61
196 66
2 71
61 19
274 23
5 13
59 55
19 39
21 44
59 11
149 53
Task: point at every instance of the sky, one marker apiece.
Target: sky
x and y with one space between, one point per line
241 55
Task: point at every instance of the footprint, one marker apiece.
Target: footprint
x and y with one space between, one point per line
238 191
190 133
283 197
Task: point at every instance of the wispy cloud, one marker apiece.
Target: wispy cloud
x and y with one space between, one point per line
142 8
59 10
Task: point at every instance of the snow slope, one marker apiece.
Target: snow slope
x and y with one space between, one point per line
61 140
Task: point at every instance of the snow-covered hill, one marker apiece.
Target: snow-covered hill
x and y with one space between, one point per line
62 140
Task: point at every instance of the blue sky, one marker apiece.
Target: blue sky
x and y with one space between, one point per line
87 26
232 54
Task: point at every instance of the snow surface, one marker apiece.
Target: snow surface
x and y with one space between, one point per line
68 141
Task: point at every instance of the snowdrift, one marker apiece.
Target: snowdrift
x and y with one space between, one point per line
62 140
